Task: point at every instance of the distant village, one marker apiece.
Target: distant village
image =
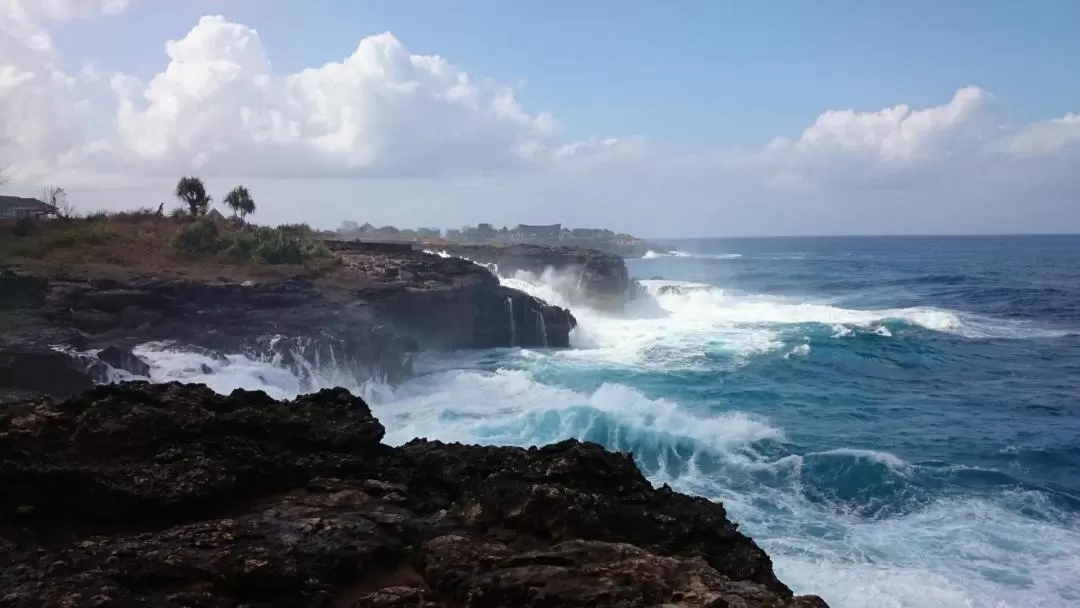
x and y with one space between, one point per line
552 234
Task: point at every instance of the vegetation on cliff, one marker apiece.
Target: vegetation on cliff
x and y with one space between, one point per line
192 240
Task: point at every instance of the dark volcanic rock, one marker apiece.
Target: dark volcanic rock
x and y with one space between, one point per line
588 275
125 360
42 370
172 495
367 317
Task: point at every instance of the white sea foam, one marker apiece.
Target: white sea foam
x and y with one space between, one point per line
801 350
951 553
652 255
223 373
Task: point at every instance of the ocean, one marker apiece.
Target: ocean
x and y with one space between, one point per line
896 420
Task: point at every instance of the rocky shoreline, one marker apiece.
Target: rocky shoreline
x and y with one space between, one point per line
172 495
593 277
138 494
382 304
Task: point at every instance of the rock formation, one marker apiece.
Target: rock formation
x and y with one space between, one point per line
594 277
171 495
378 306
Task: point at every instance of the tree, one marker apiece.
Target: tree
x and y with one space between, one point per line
57 197
240 201
192 192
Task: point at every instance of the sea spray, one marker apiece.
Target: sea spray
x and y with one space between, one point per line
513 326
867 463
541 327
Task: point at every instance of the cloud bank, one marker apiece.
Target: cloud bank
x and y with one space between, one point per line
390 123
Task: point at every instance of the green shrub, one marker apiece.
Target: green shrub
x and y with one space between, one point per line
318 249
200 236
274 246
239 246
297 230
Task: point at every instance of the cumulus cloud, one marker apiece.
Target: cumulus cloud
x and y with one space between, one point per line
1047 137
218 107
382 111
41 113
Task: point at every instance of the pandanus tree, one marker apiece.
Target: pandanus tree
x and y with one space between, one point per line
240 201
192 192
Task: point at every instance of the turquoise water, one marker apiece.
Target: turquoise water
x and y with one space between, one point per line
896 420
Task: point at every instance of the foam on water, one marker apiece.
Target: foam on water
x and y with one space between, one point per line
864 528
652 255
223 373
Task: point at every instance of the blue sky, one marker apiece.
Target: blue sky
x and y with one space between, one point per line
742 72
690 81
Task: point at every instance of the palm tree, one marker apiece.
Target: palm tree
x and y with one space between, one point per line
240 201
192 192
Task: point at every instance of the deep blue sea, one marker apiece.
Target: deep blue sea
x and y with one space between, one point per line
896 420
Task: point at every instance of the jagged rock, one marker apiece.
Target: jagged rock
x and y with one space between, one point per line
368 315
41 370
594 277
172 495
128 361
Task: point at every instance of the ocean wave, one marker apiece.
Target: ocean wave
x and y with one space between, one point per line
864 527
702 300
653 255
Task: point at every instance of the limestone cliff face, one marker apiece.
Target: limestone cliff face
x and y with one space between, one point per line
369 315
174 496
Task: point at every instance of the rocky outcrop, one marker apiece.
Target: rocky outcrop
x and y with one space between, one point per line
594 277
172 495
366 316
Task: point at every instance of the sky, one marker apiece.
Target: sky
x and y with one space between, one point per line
663 119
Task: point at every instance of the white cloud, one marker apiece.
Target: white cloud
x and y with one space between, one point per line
41 114
424 125
1047 137
896 134
383 111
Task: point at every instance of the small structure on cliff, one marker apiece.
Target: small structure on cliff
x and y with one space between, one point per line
524 232
17 207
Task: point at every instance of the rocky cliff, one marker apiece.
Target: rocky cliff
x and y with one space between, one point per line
594 277
171 495
376 307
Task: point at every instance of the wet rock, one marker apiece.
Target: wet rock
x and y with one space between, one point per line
42 370
590 276
366 316
125 360
172 495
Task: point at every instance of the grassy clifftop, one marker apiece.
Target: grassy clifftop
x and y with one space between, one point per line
144 242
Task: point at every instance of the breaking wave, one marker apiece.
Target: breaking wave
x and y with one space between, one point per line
652 255
686 379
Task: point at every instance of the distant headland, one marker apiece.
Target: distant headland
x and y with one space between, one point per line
602 239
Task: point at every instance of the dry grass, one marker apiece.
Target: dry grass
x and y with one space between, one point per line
128 244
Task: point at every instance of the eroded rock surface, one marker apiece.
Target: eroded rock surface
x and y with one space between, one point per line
172 495
594 277
368 315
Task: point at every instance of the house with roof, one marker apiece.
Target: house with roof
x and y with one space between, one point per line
18 207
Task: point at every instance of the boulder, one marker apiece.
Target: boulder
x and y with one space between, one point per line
26 369
125 360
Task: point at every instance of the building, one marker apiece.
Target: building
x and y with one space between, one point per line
16 207
525 232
